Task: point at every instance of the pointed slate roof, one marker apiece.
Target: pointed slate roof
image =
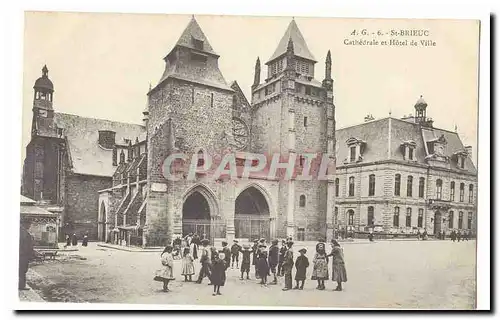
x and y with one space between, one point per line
300 48
193 30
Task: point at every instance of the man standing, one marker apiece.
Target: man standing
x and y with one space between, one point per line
274 259
205 259
25 253
283 250
288 266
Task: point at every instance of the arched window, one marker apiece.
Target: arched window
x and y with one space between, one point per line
336 216
351 186
439 189
302 200
201 159
462 190
408 217
452 191
471 193
450 222
370 218
337 186
421 187
409 186
397 184
469 221
460 220
371 185
351 217
395 220
420 221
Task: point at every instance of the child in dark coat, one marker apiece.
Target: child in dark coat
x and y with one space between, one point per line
301 265
263 266
245 262
218 276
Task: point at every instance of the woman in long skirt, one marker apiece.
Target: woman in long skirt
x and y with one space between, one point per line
339 273
166 274
320 266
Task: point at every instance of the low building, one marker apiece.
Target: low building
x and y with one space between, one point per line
399 176
44 224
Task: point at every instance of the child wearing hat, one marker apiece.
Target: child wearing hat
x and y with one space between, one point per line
301 265
245 262
263 266
218 275
227 253
235 253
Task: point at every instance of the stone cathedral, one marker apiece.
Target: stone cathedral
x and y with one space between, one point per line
193 110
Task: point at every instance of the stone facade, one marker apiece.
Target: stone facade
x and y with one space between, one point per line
382 157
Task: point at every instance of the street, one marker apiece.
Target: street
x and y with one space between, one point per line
385 274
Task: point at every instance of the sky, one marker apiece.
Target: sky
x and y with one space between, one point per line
102 64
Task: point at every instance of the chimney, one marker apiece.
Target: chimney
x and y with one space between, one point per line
107 139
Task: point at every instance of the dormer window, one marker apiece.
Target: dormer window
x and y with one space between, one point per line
460 157
356 148
197 44
408 149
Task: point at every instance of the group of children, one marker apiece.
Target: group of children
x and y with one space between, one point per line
273 261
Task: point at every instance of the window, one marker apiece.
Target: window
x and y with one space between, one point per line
460 220
336 216
301 161
450 222
371 185
439 189
302 200
308 91
410 153
370 218
280 65
452 191
198 57
408 217
397 185
201 159
192 95
211 99
305 121
353 154
462 187
351 218
395 220
337 185
420 221
409 186
421 187
198 44
351 186
462 162
471 193
469 220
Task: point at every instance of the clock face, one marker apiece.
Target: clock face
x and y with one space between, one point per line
240 134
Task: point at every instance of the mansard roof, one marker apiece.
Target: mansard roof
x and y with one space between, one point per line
378 147
82 135
300 48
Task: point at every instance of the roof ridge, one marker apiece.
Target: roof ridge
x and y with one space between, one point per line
99 119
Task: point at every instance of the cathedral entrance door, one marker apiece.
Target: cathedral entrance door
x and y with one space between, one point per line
251 218
196 215
437 222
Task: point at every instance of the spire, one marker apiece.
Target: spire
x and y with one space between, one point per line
194 38
328 66
45 71
299 44
256 79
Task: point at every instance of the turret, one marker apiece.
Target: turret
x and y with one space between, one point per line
256 79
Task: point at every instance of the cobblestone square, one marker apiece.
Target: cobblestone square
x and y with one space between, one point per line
385 274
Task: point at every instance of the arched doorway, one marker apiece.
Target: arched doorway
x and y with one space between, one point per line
196 215
437 222
252 219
